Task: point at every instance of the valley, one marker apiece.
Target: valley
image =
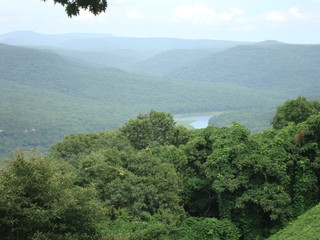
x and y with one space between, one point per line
79 83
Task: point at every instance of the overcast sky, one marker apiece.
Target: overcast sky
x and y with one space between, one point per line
291 21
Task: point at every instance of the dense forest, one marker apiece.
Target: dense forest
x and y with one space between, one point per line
152 179
55 85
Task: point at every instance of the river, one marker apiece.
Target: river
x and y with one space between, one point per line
198 121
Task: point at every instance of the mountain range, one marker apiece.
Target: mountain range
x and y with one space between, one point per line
54 85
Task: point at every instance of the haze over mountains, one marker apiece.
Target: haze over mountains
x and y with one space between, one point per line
62 84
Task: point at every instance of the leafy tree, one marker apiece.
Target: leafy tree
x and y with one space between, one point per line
201 201
79 144
248 181
73 6
295 111
39 200
133 185
153 129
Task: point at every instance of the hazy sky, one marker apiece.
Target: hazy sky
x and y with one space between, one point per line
291 21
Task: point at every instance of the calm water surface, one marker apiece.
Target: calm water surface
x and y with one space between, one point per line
200 121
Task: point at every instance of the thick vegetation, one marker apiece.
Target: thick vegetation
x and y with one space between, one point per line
154 180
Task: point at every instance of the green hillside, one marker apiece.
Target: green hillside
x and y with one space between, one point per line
56 96
106 57
306 227
279 67
167 61
45 95
255 119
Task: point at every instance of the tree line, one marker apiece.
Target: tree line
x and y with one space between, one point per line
151 179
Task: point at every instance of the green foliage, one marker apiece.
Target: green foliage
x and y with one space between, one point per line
73 7
152 129
306 227
295 111
246 182
75 144
40 201
207 229
135 230
153 180
132 184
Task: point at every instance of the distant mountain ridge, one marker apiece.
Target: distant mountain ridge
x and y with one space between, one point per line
30 38
86 40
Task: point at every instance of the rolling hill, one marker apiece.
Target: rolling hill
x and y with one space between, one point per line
167 61
46 96
49 92
293 69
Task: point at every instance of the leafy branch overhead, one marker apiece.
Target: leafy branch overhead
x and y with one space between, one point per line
73 7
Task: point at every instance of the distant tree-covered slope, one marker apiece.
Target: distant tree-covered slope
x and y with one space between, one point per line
118 58
45 96
279 67
256 120
167 61
306 227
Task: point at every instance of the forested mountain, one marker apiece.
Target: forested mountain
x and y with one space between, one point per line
163 63
278 67
49 92
55 96
117 58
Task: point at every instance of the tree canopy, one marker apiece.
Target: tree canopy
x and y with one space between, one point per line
153 180
295 111
73 7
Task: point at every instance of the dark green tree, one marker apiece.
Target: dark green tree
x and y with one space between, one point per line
73 6
133 185
295 111
248 178
154 129
39 200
